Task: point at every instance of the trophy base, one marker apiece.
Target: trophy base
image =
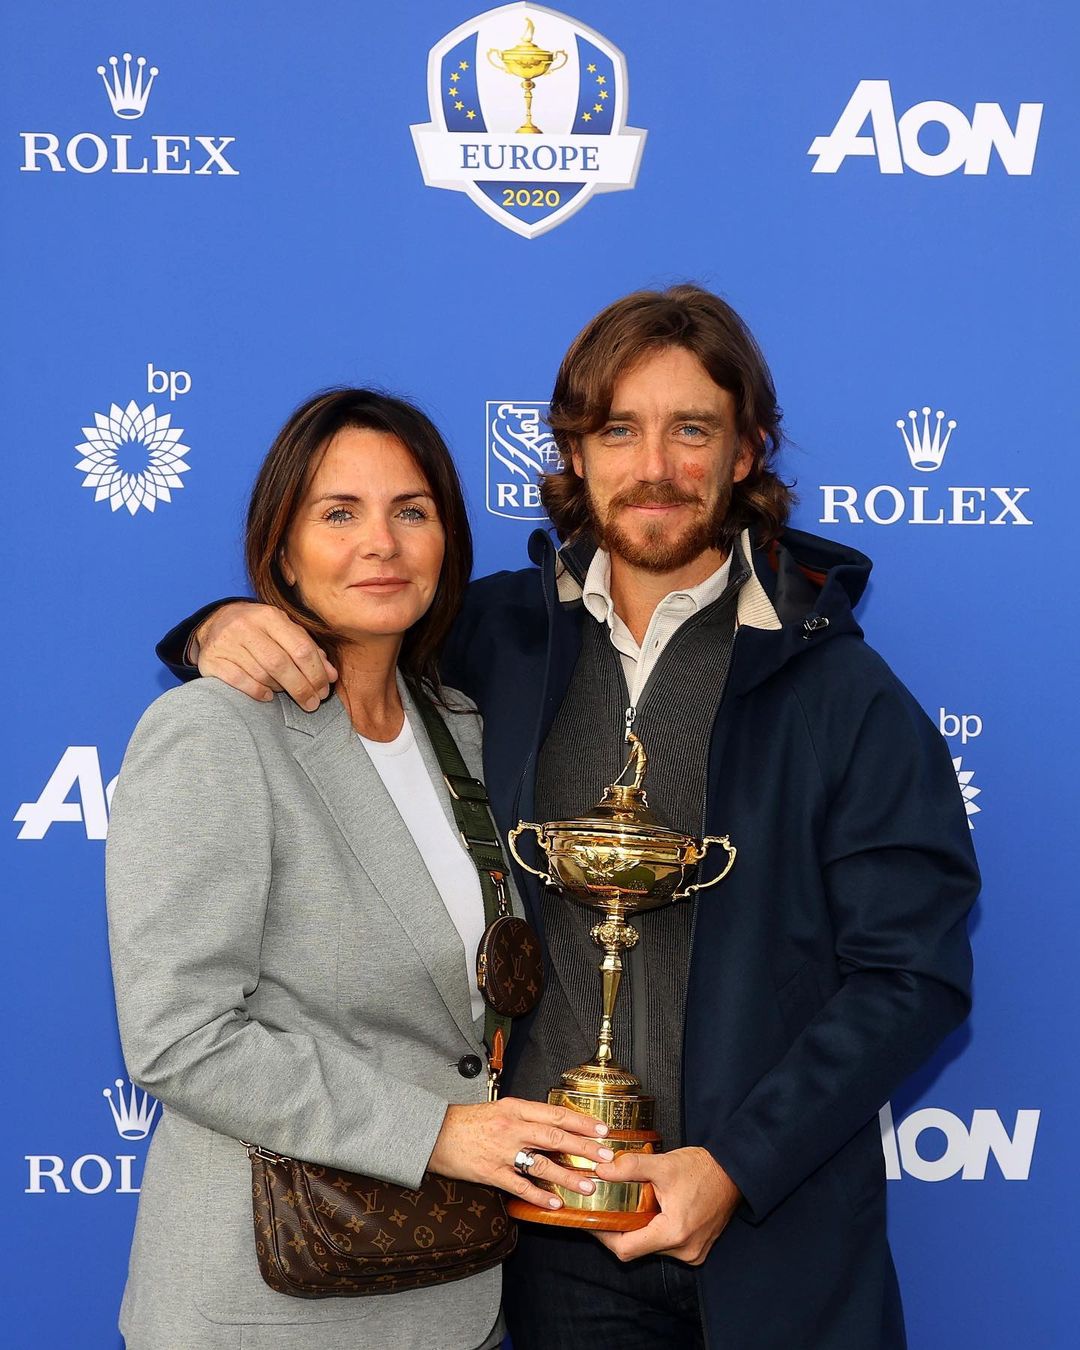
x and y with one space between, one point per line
528 130
600 1221
614 1206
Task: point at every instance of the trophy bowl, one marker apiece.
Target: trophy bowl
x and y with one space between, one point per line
621 859
527 62
641 862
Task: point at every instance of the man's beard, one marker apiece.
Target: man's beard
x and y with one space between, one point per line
658 548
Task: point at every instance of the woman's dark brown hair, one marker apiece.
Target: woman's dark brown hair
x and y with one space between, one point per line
279 491
639 324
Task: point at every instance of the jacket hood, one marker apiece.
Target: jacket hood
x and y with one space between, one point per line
809 572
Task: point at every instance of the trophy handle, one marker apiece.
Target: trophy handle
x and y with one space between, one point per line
493 52
562 63
726 844
521 828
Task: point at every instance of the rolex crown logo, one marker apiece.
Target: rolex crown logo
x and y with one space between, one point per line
128 96
133 1114
926 446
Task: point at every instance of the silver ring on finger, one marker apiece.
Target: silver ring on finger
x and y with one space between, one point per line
524 1161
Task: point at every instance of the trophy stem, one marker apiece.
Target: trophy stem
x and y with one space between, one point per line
527 128
611 969
603 1075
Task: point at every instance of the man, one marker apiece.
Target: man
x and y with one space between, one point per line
772 1017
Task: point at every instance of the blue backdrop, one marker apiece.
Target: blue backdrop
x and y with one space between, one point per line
299 196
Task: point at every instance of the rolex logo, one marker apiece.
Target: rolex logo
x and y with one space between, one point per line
128 97
926 446
127 82
926 438
132 1114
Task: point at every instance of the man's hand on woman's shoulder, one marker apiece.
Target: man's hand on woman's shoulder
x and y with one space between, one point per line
258 650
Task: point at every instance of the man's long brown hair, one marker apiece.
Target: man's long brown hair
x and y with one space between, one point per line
279 492
682 316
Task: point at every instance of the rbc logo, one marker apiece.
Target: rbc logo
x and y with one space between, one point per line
520 450
896 143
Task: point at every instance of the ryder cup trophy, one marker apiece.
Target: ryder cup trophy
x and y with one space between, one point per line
527 62
620 859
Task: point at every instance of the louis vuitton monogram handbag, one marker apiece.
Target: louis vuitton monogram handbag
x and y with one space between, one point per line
324 1233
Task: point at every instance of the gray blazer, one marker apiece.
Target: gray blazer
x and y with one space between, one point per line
287 973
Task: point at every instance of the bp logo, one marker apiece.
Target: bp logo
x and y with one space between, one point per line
967 788
132 457
528 117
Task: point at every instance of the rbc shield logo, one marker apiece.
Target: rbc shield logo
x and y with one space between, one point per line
528 117
520 450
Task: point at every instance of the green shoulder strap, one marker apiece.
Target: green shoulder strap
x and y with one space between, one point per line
472 814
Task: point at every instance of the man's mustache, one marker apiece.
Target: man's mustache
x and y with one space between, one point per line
658 494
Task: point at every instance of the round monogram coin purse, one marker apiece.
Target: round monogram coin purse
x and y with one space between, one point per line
509 967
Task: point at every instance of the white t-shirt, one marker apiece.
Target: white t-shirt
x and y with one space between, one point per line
405 776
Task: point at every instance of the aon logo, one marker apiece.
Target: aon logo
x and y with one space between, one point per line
933 1145
78 773
896 143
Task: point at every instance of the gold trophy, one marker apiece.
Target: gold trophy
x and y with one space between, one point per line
528 62
621 859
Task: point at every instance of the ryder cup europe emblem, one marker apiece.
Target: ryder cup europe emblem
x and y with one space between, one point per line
528 117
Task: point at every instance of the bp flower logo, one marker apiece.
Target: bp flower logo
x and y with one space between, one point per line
967 788
132 457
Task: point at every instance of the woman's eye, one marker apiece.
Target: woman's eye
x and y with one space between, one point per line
338 515
413 513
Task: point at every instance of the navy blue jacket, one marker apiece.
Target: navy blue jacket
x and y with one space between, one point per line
831 961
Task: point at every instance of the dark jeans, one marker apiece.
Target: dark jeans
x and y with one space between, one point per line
563 1291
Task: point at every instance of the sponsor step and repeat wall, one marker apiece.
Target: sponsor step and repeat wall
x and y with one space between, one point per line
213 211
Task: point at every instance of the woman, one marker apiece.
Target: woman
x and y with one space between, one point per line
293 918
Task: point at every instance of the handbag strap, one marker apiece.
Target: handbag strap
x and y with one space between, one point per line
476 825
